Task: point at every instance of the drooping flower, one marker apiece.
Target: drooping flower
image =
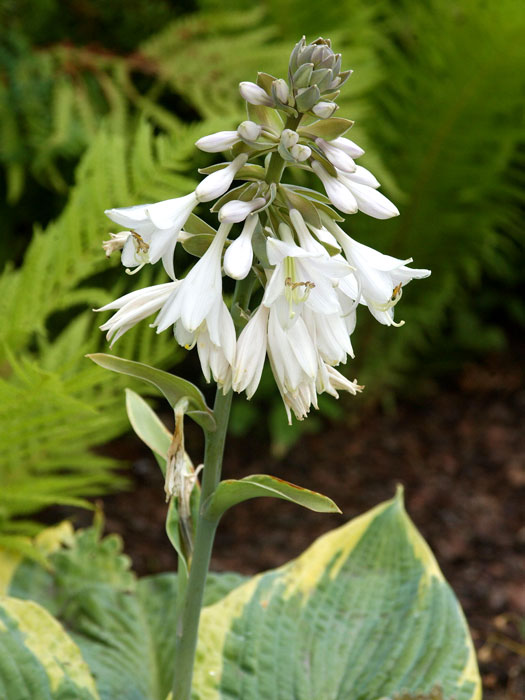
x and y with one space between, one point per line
377 279
135 307
251 352
154 228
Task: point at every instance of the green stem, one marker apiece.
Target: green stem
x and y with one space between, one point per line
276 164
187 629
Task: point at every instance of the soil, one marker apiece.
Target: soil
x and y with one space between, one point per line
460 456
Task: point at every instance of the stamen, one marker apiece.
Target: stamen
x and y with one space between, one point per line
141 244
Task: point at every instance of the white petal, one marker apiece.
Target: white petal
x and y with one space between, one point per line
251 352
128 216
172 213
336 156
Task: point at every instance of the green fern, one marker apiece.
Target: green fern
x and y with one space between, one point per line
55 405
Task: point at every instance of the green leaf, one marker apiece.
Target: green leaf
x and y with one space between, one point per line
364 613
147 425
327 129
38 660
174 388
124 628
198 244
232 491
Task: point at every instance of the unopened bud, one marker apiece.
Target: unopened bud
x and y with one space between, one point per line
237 210
280 88
300 152
324 110
249 131
216 184
215 143
254 94
289 138
239 256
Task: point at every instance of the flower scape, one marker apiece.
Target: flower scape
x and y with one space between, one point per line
300 276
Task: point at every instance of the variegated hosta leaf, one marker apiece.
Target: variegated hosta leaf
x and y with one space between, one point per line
38 660
362 614
123 628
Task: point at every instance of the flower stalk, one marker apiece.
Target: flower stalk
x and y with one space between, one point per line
188 623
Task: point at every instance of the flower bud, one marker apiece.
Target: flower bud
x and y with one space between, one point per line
289 138
337 157
324 110
216 184
300 152
254 94
239 256
349 147
338 194
236 210
280 89
249 131
215 143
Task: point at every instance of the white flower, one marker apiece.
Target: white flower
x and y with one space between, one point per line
254 94
302 276
220 141
216 184
135 307
337 193
154 230
336 156
199 291
239 256
347 146
251 353
237 210
378 279
324 110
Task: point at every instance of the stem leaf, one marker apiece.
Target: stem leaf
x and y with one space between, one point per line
174 388
232 491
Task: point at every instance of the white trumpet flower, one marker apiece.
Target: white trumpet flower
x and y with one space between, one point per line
199 291
378 279
135 307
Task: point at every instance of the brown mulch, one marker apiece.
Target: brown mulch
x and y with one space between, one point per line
461 458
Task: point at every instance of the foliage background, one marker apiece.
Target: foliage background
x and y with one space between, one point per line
100 105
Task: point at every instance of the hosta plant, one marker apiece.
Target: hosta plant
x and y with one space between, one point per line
365 612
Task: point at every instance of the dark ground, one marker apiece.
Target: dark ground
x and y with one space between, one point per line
461 458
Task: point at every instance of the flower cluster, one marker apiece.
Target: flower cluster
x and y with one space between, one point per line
311 274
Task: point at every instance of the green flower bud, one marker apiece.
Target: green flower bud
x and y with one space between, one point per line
314 65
